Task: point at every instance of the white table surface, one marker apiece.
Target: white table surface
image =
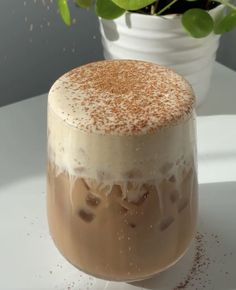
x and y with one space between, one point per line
29 260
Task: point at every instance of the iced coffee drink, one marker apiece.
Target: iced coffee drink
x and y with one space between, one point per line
122 183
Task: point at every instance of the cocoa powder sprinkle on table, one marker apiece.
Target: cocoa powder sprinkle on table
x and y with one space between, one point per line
201 262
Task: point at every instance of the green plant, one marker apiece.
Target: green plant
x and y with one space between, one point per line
196 19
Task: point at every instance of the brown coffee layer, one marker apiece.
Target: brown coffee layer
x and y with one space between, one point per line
111 238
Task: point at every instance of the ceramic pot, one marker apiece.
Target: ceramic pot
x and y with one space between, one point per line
162 40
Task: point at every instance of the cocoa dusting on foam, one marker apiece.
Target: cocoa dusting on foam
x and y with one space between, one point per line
121 97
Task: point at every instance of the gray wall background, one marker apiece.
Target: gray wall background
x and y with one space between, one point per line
36 47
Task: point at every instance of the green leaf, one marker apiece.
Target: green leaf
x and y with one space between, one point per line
84 3
197 22
226 24
191 0
108 10
133 4
64 11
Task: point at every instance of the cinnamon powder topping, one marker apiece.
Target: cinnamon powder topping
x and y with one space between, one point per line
121 97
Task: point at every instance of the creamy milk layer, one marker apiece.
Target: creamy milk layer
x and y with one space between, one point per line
114 157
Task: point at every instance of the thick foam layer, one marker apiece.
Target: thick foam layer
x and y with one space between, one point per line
136 136
121 97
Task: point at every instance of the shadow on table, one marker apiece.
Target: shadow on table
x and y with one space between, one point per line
23 140
218 242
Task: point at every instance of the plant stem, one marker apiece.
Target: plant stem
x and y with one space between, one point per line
154 7
152 10
166 7
226 3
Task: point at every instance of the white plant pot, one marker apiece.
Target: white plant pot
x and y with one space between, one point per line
162 40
